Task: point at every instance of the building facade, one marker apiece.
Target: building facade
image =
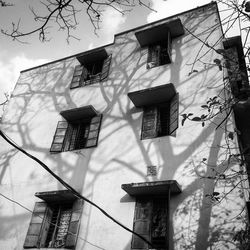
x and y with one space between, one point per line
122 124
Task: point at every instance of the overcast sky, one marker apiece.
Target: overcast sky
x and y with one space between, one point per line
15 57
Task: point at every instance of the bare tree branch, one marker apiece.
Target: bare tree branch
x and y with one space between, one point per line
5 4
65 14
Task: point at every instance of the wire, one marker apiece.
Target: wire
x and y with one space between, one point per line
19 204
74 192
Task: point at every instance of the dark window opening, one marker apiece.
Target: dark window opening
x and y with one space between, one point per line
93 69
163 120
77 135
160 120
159 54
151 222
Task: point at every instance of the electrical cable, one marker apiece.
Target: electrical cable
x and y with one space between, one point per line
78 195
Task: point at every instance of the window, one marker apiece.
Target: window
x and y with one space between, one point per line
151 216
159 53
55 222
160 119
80 130
94 67
150 221
160 110
158 40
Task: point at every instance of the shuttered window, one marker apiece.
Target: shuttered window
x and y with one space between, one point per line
91 73
54 225
151 222
75 135
159 53
161 119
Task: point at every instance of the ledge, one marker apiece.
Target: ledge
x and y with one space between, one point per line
93 56
79 113
151 96
56 196
152 188
157 33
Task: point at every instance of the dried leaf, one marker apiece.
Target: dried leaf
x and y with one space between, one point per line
231 135
204 106
216 193
196 119
182 122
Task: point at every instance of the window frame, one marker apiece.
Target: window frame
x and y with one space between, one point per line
81 76
69 134
41 220
172 114
151 200
149 190
160 53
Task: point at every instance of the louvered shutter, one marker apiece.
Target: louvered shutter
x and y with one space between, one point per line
105 68
74 224
57 143
94 129
142 223
76 80
37 229
149 122
68 138
154 53
174 114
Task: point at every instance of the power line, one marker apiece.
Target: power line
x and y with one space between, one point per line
19 204
66 185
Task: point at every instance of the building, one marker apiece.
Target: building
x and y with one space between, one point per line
122 124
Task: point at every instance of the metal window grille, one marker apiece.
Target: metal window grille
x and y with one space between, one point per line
59 224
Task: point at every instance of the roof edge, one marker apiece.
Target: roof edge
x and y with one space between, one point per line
118 34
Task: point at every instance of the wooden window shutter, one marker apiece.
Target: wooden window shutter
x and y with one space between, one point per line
38 227
174 114
67 138
142 223
154 52
76 80
74 224
105 67
57 143
94 129
149 122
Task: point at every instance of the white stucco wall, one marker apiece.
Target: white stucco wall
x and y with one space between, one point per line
121 157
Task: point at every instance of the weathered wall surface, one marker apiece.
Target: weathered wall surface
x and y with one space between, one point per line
121 157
